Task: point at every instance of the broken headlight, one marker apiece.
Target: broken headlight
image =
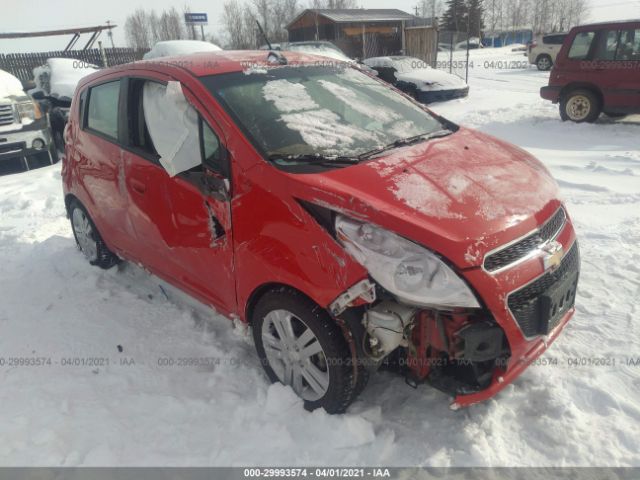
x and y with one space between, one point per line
410 272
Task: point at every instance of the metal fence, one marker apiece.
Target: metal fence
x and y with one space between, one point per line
453 49
21 65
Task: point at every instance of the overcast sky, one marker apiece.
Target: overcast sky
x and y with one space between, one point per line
36 15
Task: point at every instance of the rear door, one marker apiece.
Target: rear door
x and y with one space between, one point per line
97 158
183 223
616 63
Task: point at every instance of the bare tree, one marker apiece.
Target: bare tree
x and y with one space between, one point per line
137 30
143 28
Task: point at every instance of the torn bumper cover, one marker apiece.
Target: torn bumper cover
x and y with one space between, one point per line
501 379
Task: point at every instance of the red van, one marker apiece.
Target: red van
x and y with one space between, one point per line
348 225
597 70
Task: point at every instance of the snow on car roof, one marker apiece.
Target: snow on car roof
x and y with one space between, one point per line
59 77
169 48
10 85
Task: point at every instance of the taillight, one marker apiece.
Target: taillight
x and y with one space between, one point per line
532 45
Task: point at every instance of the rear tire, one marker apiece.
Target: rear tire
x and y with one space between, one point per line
300 345
544 62
88 238
579 106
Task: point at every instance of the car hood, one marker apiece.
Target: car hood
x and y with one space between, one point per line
461 196
430 79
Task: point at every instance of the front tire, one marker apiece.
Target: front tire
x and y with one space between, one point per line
580 106
300 345
88 238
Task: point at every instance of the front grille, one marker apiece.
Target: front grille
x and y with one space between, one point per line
6 114
524 247
539 306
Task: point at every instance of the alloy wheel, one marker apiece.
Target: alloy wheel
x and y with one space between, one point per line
84 234
295 354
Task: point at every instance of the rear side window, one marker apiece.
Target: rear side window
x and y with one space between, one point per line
581 45
606 45
553 39
629 46
102 112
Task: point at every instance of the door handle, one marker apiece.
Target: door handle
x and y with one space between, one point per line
138 186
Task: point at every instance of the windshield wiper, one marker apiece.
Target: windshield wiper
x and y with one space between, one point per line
312 159
403 142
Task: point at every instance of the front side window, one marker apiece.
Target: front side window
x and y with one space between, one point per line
318 111
581 45
102 115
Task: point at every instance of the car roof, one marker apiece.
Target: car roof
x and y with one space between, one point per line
210 63
607 23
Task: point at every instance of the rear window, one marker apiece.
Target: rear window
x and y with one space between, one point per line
554 39
581 45
102 115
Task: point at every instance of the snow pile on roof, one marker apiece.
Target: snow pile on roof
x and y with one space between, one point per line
10 86
171 48
59 77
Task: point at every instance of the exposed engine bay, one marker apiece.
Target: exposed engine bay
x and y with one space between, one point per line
458 351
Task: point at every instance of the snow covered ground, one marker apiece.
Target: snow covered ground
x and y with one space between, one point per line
135 411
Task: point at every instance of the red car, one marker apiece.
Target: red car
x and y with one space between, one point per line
597 70
347 224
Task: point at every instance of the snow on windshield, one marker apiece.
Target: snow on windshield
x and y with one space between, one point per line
319 127
288 96
358 102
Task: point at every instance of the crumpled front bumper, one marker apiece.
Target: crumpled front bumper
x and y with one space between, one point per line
502 379
495 289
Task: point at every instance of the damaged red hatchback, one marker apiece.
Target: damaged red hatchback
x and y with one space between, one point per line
347 224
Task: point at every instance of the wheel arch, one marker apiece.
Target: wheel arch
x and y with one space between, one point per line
583 86
261 290
68 198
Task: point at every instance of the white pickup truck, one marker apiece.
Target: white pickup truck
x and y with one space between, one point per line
25 139
543 51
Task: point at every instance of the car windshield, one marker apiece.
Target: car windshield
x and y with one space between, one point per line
329 112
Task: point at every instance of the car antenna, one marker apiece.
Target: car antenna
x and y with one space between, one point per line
274 56
264 35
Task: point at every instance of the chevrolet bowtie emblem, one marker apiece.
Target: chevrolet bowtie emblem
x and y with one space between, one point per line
552 255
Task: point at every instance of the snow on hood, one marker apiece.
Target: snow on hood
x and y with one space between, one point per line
416 71
59 77
171 48
465 192
10 86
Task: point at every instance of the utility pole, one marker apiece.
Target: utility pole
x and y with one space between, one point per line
110 34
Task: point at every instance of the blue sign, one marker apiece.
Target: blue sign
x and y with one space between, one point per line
195 18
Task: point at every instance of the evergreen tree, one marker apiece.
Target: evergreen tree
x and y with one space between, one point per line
455 16
475 14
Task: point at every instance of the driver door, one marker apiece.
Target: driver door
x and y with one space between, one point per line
182 221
